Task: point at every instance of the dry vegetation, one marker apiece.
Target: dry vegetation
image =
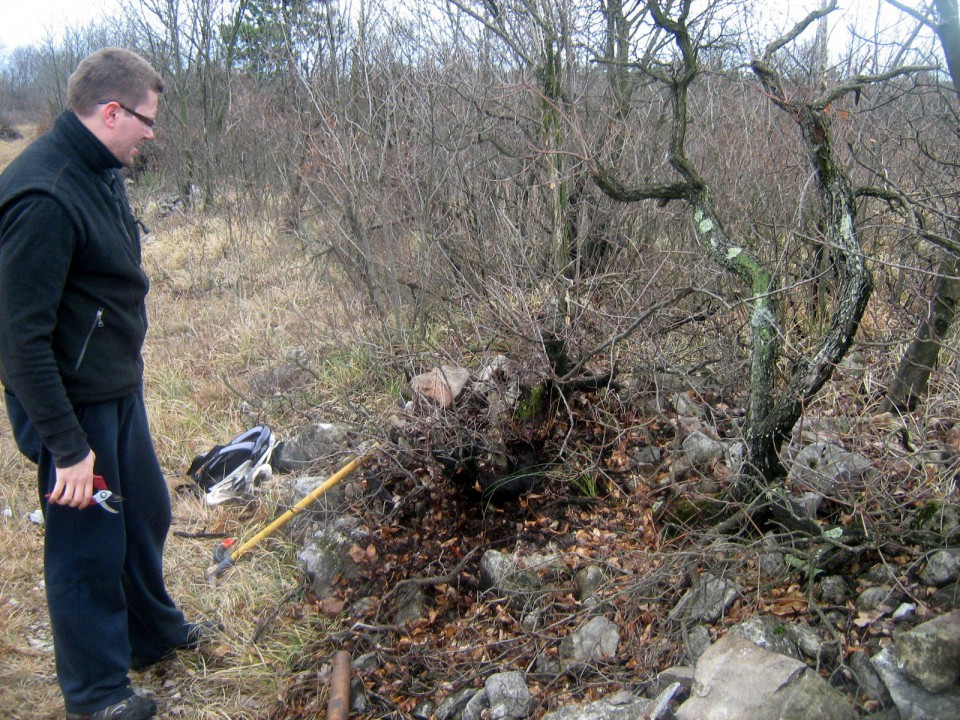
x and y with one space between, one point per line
10 149
232 298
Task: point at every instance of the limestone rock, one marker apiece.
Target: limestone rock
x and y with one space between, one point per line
441 386
768 632
823 467
701 449
943 568
738 680
324 557
620 706
912 701
508 696
587 580
501 575
707 602
930 653
452 705
597 641
311 447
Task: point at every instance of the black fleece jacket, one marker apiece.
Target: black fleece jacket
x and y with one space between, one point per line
72 312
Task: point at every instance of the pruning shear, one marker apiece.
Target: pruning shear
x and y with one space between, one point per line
102 494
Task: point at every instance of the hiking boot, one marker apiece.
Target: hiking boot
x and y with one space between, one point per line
199 636
135 707
202 634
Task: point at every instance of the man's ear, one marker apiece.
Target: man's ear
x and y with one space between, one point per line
108 113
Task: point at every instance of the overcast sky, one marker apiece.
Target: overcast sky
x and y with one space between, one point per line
27 22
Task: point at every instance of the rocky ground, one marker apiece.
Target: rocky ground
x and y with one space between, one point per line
599 590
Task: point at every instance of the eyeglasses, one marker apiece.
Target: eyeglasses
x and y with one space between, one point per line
148 121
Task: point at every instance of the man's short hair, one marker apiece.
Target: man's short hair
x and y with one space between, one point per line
111 74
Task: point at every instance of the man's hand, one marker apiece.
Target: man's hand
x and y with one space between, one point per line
74 485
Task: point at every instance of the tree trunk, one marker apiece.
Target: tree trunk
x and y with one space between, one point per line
922 355
948 32
774 408
770 425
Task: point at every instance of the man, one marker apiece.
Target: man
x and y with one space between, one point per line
72 323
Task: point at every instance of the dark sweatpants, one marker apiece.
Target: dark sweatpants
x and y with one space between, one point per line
109 608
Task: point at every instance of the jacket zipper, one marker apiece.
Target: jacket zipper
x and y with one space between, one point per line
97 322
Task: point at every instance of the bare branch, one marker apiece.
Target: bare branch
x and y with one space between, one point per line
921 17
610 342
912 209
618 191
496 28
798 29
858 82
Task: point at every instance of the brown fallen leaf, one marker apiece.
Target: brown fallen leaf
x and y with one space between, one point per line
332 606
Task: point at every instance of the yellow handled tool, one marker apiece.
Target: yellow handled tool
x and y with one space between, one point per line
215 571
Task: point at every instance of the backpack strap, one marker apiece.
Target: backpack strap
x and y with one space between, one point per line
202 458
229 468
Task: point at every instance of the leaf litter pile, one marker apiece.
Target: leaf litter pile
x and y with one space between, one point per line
649 528
431 547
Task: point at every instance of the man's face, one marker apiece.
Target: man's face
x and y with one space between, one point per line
129 130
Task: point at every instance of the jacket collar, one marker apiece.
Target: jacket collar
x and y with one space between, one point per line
90 152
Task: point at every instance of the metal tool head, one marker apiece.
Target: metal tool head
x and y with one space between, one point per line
101 498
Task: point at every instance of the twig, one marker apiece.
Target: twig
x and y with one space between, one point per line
252 400
626 333
434 579
921 18
271 616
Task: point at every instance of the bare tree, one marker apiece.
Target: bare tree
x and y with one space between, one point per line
922 356
776 403
192 42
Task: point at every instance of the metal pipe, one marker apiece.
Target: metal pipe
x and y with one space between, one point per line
338 704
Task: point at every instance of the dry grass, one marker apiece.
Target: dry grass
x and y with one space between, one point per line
227 300
9 149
